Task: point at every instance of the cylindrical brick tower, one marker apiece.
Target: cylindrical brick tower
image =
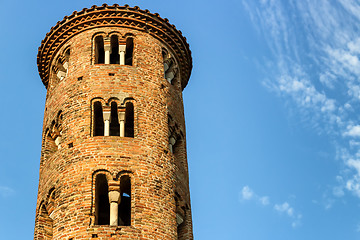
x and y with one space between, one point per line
113 161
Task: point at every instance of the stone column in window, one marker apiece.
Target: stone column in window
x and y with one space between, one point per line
58 141
172 142
121 116
122 49
66 66
56 136
114 200
106 116
107 49
167 64
61 74
170 74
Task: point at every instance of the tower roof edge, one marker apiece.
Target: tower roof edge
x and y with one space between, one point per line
100 16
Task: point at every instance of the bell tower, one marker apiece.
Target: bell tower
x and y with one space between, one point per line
113 160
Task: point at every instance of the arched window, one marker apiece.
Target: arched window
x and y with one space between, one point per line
51 200
114 56
98 119
114 122
129 120
125 203
180 216
66 60
170 67
99 50
44 224
129 51
102 205
50 146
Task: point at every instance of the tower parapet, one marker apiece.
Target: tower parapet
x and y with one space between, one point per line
113 161
117 16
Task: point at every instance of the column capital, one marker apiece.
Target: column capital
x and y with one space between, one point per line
122 48
121 115
114 196
107 48
172 140
106 115
61 74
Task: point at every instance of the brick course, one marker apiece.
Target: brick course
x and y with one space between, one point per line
159 178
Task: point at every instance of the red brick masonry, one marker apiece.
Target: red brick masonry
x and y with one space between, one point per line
72 156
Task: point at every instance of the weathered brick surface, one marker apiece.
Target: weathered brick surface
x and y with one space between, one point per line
66 193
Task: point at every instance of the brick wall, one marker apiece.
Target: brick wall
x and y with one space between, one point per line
159 178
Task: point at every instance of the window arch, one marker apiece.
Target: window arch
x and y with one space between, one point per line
175 136
170 66
60 67
114 122
99 50
125 203
51 200
112 198
129 119
44 224
114 56
113 118
180 215
129 51
53 137
102 205
50 146
98 119
113 49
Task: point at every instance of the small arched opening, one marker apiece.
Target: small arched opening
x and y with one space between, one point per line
125 203
99 50
129 120
98 119
114 122
102 205
129 51
114 56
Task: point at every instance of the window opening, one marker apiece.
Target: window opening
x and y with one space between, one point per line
98 119
50 146
46 224
102 205
129 51
125 203
167 64
61 69
180 215
99 50
114 122
170 67
129 120
114 56
66 62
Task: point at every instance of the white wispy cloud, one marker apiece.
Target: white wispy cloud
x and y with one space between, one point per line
290 212
285 207
6 191
248 194
312 61
264 200
353 131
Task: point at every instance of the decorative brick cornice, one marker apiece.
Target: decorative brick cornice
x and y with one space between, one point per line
118 16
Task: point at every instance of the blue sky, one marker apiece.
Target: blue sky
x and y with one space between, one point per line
273 131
